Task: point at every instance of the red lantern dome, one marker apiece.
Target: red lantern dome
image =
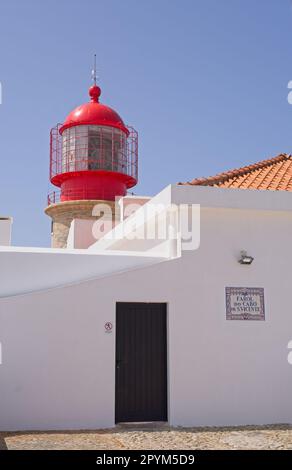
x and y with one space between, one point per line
93 154
94 113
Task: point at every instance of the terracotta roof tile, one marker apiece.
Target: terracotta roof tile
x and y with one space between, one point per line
274 174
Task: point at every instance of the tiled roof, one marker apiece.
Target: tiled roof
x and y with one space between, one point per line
274 174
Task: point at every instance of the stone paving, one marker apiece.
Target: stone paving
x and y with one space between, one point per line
153 438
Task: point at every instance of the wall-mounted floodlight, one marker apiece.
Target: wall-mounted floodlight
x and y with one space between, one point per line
245 258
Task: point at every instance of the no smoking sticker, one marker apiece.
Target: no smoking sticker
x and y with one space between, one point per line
108 327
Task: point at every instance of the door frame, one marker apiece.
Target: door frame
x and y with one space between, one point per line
166 303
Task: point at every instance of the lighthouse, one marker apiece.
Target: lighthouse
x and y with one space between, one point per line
93 160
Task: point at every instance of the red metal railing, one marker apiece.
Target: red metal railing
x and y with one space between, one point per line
69 195
55 196
83 148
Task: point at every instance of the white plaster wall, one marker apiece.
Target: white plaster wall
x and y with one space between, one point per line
80 234
56 370
24 270
5 231
129 204
59 365
84 232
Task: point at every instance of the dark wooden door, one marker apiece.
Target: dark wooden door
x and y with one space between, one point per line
141 362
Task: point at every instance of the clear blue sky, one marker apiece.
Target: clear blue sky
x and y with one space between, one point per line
203 81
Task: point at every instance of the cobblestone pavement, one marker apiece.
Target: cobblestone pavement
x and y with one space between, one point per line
154 438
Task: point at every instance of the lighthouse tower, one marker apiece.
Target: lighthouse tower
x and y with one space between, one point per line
93 160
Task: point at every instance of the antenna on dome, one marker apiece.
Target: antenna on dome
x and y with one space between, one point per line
93 72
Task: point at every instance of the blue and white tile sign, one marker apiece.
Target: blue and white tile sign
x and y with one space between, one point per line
245 303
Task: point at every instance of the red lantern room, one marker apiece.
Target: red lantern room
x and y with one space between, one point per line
93 154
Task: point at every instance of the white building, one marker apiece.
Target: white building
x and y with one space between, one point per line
142 325
5 231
